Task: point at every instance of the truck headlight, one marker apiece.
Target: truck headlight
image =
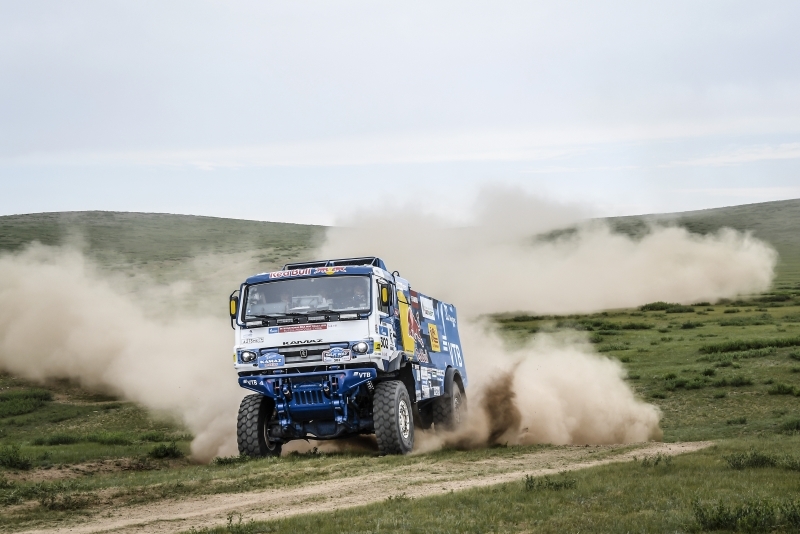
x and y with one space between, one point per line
248 356
361 347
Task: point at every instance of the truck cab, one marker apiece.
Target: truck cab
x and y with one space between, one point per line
337 348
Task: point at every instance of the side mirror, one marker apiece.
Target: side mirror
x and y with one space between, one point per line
385 297
234 306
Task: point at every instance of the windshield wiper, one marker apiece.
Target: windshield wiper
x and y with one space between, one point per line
266 316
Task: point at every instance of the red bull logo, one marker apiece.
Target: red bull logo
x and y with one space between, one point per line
414 329
307 271
293 272
330 270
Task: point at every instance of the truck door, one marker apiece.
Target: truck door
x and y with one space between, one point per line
387 327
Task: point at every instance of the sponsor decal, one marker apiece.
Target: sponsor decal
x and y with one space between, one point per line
433 332
427 308
359 374
435 390
330 270
336 355
450 316
377 347
455 355
292 272
382 330
301 328
273 330
270 360
250 382
253 340
303 342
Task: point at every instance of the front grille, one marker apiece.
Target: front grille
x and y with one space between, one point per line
299 358
303 353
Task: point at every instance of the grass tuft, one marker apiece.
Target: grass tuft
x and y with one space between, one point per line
61 502
57 439
232 460
749 344
23 401
165 450
751 516
744 460
153 436
547 483
781 389
790 427
11 458
736 381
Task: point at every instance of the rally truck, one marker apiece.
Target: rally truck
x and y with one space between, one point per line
337 348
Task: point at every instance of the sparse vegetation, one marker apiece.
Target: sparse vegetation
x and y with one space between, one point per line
718 391
547 483
749 344
166 450
12 458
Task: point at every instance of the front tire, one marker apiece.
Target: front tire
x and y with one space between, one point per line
252 427
393 418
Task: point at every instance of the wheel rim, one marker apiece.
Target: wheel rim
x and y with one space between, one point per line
403 419
271 445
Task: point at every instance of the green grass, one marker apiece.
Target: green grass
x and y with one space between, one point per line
647 495
724 371
136 238
66 425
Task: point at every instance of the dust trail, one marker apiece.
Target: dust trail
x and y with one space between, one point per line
497 265
60 317
552 390
161 346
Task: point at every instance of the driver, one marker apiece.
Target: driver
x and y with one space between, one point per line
286 299
359 296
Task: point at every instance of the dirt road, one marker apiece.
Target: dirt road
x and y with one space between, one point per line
343 492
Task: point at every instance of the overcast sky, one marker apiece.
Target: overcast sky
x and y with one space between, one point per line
304 111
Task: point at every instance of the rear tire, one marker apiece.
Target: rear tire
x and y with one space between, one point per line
393 418
449 409
255 412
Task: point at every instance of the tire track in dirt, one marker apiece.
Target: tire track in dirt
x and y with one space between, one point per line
412 481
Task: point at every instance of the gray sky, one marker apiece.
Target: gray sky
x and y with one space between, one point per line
304 111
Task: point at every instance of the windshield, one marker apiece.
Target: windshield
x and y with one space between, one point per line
308 295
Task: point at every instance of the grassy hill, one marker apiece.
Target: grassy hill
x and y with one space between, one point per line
775 222
142 239
728 371
137 238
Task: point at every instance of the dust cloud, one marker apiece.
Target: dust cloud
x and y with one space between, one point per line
497 264
60 317
159 344
555 389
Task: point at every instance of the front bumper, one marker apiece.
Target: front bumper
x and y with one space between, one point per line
315 396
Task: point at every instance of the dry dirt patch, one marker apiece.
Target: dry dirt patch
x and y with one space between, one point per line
343 492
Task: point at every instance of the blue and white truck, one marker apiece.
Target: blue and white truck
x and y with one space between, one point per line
337 348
